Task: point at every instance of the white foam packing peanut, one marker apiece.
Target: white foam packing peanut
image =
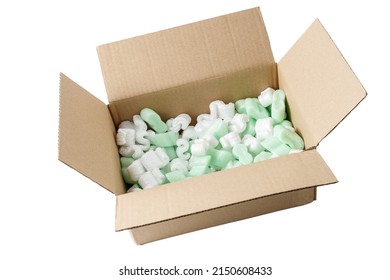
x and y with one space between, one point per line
151 179
132 137
214 108
265 97
204 121
134 151
182 149
142 140
136 170
264 128
211 141
138 152
179 164
238 123
190 133
218 109
151 161
139 123
226 111
127 124
141 134
202 145
154 159
181 122
229 140
253 144
126 151
197 149
125 136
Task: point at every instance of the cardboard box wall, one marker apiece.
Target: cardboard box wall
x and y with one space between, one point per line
183 69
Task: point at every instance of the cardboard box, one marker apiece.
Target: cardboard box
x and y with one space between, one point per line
183 69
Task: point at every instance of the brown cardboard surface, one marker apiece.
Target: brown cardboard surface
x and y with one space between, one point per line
320 86
274 176
223 215
195 98
87 136
196 52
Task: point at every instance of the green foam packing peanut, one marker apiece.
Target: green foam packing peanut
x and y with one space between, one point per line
240 106
259 126
218 129
153 120
220 159
250 128
200 161
126 176
262 156
163 140
278 110
171 152
126 161
174 176
253 145
166 169
234 163
134 188
274 145
240 152
254 109
289 137
198 171
287 123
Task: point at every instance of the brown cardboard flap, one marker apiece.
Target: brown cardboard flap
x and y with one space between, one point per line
320 86
200 51
87 136
274 176
222 215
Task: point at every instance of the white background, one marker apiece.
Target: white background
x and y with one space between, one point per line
57 224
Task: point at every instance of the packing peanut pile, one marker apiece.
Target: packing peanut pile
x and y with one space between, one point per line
250 130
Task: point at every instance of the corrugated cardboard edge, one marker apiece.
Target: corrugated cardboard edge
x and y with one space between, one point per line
271 177
320 86
86 136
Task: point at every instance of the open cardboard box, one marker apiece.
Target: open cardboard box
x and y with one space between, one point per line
183 69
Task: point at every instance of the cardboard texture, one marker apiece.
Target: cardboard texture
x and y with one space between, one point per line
86 134
227 58
223 188
323 89
189 54
223 215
